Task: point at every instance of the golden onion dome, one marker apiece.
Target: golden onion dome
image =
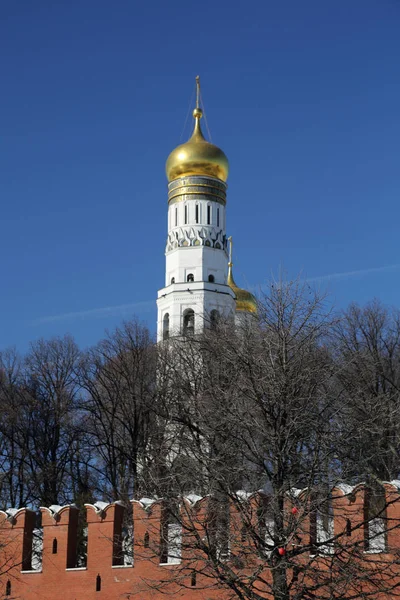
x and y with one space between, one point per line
197 156
245 301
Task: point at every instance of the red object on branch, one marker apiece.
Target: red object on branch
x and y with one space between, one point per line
295 510
281 551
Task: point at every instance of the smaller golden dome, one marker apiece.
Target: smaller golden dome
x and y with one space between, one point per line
245 301
197 156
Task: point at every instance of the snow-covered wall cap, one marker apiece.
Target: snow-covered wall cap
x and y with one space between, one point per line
100 506
345 488
296 492
193 498
55 508
395 483
147 502
10 515
243 495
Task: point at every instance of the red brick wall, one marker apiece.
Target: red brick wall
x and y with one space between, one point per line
56 581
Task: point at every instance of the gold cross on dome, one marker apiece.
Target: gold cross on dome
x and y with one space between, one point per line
198 91
230 249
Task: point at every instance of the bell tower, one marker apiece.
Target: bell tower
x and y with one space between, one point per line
196 288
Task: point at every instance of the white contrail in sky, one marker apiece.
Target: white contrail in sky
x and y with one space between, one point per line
333 276
128 309
97 313
346 274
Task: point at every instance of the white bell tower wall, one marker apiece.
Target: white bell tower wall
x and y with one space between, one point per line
196 258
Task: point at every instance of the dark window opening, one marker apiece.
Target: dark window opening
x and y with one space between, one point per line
186 215
176 217
117 555
146 540
208 215
55 544
211 278
348 527
172 280
190 278
98 583
214 318
217 217
166 326
197 213
296 571
188 322
193 579
243 533
8 588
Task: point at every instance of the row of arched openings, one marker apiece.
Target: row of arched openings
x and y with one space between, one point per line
190 278
188 325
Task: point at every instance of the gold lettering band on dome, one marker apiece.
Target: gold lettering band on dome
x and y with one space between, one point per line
196 188
201 195
199 189
197 180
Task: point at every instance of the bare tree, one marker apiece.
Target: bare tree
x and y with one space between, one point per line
51 414
15 484
39 404
260 408
368 351
119 378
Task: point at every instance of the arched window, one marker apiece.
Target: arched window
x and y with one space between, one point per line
208 214
193 579
190 278
55 544
188 322
98 583
166 326
8 588
172 280
214 318
211 278
197 213
186 214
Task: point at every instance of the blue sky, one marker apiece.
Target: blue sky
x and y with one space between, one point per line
303 97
